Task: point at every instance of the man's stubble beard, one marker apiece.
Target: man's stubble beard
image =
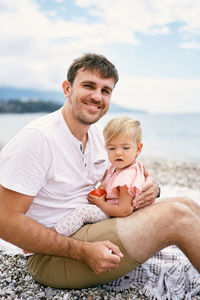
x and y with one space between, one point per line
81 119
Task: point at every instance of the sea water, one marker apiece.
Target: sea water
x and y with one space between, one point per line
170 136
165 136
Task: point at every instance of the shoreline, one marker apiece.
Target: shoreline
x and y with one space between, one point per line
174 173
174 178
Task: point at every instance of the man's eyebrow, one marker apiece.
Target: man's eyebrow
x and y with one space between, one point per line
89 81
94 83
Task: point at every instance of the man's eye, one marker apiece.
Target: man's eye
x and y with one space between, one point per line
108 92
88 86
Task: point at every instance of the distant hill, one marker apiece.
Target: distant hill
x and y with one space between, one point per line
30 106
11 93
53 97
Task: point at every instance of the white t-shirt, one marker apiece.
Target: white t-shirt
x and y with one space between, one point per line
46 161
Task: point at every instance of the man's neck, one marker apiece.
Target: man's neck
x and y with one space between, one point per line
79 131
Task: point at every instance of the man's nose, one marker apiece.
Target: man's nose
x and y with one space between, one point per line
96 95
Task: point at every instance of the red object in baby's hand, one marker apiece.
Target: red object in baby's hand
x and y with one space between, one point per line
98 192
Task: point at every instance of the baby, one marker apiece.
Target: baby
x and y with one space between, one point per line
122 182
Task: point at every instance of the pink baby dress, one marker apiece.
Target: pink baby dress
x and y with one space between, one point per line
132 177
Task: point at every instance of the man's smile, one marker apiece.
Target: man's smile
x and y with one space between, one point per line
93 106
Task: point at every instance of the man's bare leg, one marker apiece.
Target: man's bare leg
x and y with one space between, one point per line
194 206
155 227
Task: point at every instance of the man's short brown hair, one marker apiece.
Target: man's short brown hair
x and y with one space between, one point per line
92 62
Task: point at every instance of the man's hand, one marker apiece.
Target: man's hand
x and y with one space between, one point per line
150 191
101 256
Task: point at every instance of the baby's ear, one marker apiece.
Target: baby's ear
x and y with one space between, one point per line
139 148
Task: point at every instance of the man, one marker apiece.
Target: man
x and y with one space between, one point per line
48 169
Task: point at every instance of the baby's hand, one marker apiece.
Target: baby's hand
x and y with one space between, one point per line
97 195
91 199
98 192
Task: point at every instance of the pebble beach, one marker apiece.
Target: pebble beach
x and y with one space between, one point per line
174 178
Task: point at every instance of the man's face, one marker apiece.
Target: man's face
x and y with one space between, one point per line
89 96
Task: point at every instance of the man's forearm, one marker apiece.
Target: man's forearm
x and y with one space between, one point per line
34 237
26 233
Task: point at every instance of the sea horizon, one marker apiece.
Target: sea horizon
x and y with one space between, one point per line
171 136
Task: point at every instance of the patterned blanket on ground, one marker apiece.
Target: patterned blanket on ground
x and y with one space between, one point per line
167 275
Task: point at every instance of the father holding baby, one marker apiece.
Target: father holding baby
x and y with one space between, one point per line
48 169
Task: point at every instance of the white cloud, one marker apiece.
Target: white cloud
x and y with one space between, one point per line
157 95
148 17
35 48
30 54
191 45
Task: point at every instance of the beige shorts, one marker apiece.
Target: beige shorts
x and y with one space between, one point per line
61 272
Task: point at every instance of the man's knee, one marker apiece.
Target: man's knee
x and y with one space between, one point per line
171 215
148 230
184 200
178 212
187 201
163 218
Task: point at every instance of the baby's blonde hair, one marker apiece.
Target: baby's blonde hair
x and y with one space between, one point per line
123 126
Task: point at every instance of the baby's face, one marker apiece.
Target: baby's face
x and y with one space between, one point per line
123 151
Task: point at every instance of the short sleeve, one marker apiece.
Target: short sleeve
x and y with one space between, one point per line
125 177
24 162
131 177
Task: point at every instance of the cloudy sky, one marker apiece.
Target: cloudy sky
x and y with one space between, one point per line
155 44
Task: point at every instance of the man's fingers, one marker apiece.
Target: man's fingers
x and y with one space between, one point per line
144 199
102 256
144 203
112 262
148 185
145 196
149 193
112 267
113 249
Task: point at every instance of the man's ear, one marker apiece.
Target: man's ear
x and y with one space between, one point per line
66 88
